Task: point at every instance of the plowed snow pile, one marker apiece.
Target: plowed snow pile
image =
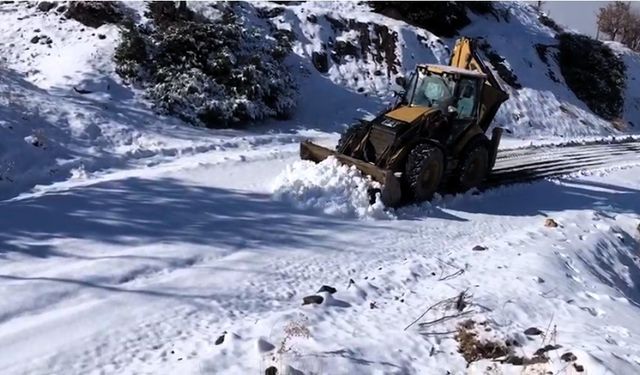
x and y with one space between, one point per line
330 187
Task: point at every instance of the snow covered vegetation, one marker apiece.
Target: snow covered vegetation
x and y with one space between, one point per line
156 218
594 73
213 72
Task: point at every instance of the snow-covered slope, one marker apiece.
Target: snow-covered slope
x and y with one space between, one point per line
365 52
632 95
64 112
157 248
50 128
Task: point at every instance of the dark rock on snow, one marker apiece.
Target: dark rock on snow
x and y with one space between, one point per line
327 288
533 331
45 6
313 299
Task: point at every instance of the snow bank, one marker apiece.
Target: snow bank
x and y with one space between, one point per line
330 187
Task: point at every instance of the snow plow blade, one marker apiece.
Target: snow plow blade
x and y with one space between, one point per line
390 194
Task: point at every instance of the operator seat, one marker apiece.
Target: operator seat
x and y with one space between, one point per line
466 103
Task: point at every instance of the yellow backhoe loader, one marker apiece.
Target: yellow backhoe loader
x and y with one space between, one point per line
433 138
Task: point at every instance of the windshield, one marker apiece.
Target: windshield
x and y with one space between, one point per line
431 91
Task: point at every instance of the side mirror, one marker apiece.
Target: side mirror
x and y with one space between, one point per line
452 110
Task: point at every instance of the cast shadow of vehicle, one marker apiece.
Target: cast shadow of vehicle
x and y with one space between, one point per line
139 211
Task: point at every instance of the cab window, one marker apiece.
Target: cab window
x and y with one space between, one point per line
467 98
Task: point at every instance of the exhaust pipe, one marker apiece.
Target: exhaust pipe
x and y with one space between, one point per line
496 135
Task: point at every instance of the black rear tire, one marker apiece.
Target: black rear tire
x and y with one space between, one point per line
473 168
424 171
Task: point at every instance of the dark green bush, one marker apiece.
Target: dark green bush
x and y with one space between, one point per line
593 72
212 73
95 13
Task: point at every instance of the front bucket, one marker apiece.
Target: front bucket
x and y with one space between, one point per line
391 194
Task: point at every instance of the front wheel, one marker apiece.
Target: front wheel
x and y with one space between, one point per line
424 171
473 168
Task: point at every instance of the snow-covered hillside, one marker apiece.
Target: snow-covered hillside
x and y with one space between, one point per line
61 96
134 243
365 52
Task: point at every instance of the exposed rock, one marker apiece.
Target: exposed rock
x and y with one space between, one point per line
479 248
336 25
568 357
327 288
550 223
525 361
270 13
271 371
498 62
313 299
45 6
512 342
220 339
546 348
532 331
61 9
42 39
95 13
342 49
579 368
320 61
102 36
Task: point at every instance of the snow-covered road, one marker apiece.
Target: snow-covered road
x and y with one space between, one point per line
141 272
132 243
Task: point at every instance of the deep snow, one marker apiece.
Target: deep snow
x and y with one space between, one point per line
130 242
330 187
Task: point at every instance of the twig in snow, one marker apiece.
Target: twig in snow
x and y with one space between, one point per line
445 318
461 302
483 307
437 333
546 332
451 276
427 310
458 301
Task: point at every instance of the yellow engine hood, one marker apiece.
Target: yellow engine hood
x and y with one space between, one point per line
409 114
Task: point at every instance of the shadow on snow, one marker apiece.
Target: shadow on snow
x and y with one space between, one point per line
137 211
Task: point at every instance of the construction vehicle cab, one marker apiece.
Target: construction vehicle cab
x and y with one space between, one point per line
453 91
434 136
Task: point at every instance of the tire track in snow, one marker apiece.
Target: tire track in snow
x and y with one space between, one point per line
544 162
